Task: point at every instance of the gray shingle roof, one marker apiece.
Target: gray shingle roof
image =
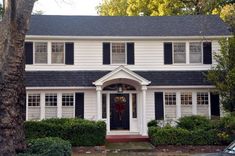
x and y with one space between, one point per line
85 78
127 26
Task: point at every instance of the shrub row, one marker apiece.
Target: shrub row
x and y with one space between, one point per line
179 136
78 131
48 147
194 130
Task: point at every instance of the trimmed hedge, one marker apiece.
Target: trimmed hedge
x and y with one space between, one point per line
48 147
78 131
194 130
179 136
194 122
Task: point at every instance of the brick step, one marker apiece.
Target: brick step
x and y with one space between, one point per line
126 138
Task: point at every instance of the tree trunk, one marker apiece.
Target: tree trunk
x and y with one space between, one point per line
13 29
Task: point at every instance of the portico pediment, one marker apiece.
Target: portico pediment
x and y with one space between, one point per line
122 73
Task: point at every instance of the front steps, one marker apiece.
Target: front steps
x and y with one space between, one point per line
126 138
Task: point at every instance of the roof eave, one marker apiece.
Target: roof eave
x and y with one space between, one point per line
32 37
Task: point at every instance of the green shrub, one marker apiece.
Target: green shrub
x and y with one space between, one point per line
48 147
179 136
194 122
153 123
78 131
169 136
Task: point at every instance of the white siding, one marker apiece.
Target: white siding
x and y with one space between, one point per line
203 110
50 112
148 56
150 105
34 113
186 110
170 111
90 108
67 112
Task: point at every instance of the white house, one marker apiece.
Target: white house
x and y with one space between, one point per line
123 70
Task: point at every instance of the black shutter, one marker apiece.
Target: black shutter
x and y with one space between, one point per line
130 53
207 53
28 50
168 53
106 53
69 53
215 104
79 105
159 109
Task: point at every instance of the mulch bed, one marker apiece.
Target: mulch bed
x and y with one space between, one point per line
159 149
189 149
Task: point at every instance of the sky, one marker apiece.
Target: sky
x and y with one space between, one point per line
67 7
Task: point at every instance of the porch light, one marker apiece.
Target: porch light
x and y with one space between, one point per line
119 88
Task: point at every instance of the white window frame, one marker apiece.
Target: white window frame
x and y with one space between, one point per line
111 54
29 94
51 53
62 100
167 93
173 53
199 104
201 51
34 52
57 97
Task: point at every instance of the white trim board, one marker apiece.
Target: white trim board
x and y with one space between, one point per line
28 37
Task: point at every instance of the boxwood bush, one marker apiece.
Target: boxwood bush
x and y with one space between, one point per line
48 147
194 130
78 131
180 136
194 122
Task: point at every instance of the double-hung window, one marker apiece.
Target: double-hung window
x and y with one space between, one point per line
118 53
170 98
195 50
202 98
34 100
51 99
41 52
179 52
57 53
67 99
186 98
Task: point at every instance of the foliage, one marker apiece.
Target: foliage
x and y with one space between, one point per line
48 147
79 132
180 136
159 7
223 74
1 10
194 122
200 130
153 123
228 15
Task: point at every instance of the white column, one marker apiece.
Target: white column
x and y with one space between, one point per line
144 122
194 103
178 105
99 103
59 105
42 104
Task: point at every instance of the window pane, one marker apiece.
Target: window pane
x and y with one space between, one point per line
57 53
134 106
67 99
170 98
179 53
51 99
34 100
104 104
118 53
202 98
195 49
40 52
186 98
